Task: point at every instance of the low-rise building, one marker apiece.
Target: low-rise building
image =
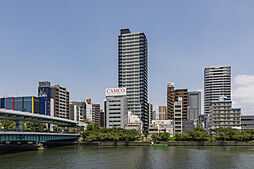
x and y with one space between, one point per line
202 121
247 122
188 125
223 115
134 122
161 126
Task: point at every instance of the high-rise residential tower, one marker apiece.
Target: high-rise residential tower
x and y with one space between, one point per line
194 106
172 96
44 95
162 112
61 101
96 113
182 93
170 101
89 110
77 110
150 110
217 81
132 72
178 115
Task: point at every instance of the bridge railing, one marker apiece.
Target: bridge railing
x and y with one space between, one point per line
31 131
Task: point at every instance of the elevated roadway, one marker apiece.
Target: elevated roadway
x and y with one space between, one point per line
20 117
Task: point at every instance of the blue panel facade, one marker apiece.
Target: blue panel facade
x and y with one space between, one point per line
8 103
2 103
21 104
27 104
44 100
18 104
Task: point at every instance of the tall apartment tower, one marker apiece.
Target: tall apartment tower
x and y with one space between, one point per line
44 95
217 83
162 112
170 101
132 72
183 94
96 114
77 110
194 106
178 115
61 101
89 110
150 110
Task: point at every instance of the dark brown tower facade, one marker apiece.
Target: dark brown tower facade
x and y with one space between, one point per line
96 114
184 94
170 101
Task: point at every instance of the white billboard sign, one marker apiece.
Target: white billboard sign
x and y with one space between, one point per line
116 91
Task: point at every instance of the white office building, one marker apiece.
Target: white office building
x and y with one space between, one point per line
116 111
223 115
178 116
89 110
77 111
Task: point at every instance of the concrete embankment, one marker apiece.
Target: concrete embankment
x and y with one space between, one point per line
112 143
118 143
210 143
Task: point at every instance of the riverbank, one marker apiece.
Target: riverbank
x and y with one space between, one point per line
189 143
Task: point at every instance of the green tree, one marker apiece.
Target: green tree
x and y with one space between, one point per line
8 124
164 136
34 126
197 134
95 133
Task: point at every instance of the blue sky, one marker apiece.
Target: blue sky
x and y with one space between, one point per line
74 43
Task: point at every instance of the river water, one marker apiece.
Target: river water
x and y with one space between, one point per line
217 157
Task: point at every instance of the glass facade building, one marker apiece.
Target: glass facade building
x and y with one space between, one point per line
24 104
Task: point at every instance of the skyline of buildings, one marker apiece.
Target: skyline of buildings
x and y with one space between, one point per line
183 107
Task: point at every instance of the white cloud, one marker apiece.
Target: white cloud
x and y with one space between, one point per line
243 93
